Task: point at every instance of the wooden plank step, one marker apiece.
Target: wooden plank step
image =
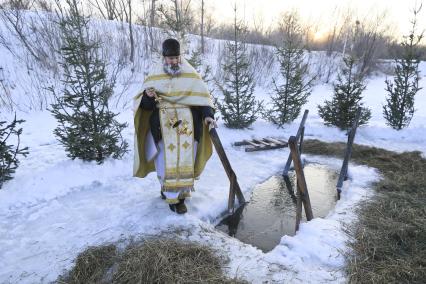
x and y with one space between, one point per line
241 143
265 147
248 142
256 145
262 142
276 141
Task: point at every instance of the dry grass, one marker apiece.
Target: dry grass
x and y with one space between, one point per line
389 243
150 261
91 265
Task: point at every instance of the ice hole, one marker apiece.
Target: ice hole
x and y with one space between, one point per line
271 211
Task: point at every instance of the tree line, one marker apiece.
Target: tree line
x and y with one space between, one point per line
89 130
291 90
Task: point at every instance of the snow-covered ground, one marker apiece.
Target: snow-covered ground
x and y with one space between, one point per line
54 208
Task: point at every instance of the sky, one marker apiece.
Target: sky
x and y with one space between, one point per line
319 12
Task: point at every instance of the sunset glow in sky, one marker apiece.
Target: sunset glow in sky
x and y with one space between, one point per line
319 12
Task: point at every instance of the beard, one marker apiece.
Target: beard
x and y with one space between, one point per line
172 69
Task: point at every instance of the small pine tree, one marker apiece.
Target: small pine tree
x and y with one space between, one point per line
399 108
206 73
342 109
87 128
239 107
9 153
196 61
289 97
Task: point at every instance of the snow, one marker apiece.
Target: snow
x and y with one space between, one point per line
55 207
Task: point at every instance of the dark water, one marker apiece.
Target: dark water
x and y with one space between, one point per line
271 212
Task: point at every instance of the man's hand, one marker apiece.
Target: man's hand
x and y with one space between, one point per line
208 120
150 92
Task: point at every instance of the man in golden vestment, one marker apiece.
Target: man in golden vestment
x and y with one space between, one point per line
172 114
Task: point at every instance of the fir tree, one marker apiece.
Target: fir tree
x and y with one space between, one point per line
289 97
399 108
87 128
9 153
341 110
239 108
196 61
206 73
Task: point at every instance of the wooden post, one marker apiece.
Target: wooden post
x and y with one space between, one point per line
301 182
298 210
348 154
290 189
234 186
231 198
300 132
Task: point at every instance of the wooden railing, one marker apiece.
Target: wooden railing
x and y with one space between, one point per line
234 188
348 153
302 188
299 137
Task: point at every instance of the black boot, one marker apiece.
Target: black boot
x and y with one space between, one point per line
181 207
172 207
162 195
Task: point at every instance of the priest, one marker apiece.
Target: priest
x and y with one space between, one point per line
172 114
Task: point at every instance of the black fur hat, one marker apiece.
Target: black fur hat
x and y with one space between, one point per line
171 47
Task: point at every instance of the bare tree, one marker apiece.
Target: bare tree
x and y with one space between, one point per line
152 13
109 9
370 37
202 26
258 34
5 96
204 13
126 7
44 5
178 18
17 4
12 15
39 40
120 10
152 22
209 23
148 20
